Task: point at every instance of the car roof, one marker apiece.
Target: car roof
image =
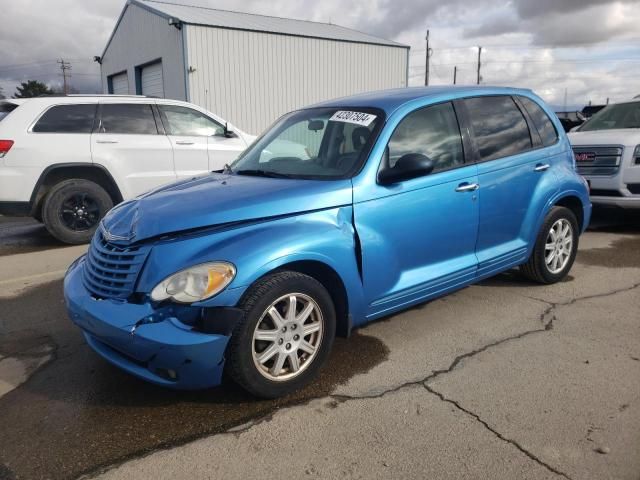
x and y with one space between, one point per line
392 99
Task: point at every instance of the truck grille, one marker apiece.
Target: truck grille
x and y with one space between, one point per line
111 271
593 161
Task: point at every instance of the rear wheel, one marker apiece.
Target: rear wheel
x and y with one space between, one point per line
555 249
73 209
285 336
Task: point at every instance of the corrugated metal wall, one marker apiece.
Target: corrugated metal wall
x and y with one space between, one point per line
251 78
143 37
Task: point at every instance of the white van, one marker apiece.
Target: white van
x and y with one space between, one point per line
67 160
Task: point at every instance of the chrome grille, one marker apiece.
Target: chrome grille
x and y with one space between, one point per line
593 161
110 270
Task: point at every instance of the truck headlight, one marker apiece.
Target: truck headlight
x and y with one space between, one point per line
195 283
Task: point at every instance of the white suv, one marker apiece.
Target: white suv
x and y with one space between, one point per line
607 151
67 160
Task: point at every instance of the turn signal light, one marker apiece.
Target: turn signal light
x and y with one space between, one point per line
5 146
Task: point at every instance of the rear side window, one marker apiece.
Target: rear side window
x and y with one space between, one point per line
432 131
499 127
541 121
130 118
67 119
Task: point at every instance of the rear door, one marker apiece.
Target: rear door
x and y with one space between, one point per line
418 236
512 165
130 144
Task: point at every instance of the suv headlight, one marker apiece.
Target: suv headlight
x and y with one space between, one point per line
195 283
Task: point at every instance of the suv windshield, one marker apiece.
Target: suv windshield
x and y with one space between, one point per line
621 115
320 143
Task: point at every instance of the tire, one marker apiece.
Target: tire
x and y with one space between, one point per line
537 267
244 351
59 210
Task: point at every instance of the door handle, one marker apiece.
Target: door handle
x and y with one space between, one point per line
106 141
184 142
541 167
467 187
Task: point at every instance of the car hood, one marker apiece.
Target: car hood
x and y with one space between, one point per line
217 199
629 137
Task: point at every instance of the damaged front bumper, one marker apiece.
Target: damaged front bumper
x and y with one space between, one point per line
152 344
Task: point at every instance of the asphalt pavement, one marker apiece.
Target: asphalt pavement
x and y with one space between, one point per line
502 380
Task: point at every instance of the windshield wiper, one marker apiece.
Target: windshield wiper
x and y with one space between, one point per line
262 173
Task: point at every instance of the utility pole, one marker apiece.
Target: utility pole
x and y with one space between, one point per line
479 63
65 67
455 73
428 55
565 101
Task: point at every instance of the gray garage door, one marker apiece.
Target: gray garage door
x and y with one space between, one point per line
120 84
151 80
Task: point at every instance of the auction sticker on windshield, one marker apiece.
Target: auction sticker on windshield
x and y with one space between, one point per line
359 118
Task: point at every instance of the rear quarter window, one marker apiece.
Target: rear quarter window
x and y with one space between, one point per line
6 109
541 121
499 127
67 119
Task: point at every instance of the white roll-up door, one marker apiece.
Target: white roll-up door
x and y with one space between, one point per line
120 84
151 80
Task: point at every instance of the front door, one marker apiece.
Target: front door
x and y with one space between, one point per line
189 130
418 236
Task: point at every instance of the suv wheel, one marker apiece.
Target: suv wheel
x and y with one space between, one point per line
285 336
73 208
555 249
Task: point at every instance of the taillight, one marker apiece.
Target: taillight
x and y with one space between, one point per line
5 146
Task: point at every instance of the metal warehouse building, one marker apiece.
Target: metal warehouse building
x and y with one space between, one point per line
247 68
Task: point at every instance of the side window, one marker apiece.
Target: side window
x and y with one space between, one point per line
186 121
67 119
431 131
499 127
541 121
131 118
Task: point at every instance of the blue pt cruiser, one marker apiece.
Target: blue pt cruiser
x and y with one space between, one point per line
339 214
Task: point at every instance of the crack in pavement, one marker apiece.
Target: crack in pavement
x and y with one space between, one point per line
546 326
496 433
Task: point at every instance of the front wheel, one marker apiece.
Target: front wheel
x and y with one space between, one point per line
285 336
555 249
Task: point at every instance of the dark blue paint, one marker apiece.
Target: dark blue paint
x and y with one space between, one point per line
419 238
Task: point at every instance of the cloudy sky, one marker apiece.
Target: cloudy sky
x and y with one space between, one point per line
588 48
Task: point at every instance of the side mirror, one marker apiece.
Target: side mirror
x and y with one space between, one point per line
408 166
228 133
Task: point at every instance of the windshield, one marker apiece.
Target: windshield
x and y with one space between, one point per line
317 143
621 115
6 108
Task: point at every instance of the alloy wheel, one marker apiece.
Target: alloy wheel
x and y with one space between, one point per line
79 212
287 337
559 245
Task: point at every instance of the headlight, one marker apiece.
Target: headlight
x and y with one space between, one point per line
195 283
636 155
